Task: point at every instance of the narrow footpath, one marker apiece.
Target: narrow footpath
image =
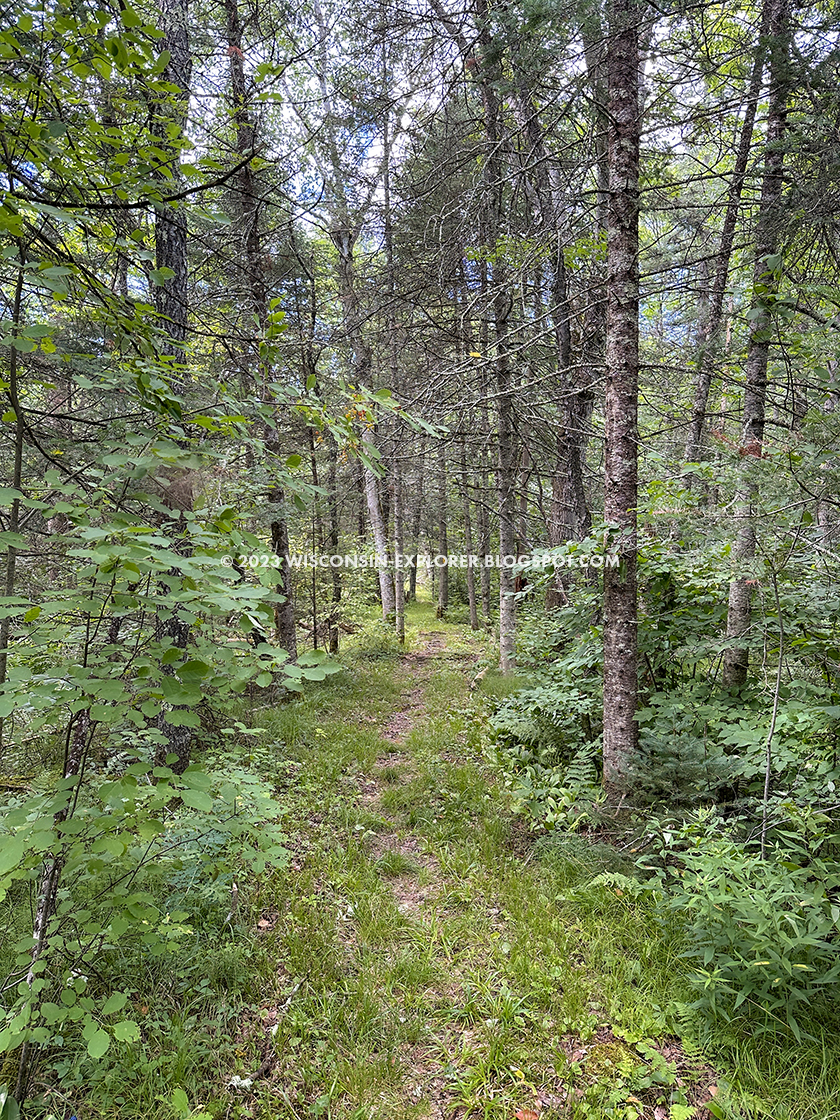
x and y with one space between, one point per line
428 960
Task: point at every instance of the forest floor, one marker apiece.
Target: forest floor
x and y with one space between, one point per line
422 956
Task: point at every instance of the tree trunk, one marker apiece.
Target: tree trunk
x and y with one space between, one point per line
13 523
443 535
483 521
417 521
501 304
399 572
709 342
469 547
172 300
344 240
78 743
622 388
765 288
498 304
284 613
171 297
335 572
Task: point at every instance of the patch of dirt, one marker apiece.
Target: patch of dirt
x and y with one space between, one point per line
410 895
391 758
401 722
425 1083
369 791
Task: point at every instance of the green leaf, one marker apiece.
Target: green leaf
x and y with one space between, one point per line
193 670
11 852
197 799
127 1031
98 1044
180 718
180 1102
293 461
115 1002
9 1109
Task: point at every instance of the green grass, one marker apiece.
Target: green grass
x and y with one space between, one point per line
420 947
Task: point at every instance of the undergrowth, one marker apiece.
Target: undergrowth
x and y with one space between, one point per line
421 952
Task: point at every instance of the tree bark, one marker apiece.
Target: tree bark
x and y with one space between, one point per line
344 240
417 521
16 480
710 339
765 288
332 513
443 534
284 613
501 304
622 388
469 546
171 296
498 305
399 572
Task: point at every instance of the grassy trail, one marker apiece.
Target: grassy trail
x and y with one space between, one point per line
420 958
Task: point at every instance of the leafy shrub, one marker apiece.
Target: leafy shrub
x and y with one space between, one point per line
140 856
546 745
763 932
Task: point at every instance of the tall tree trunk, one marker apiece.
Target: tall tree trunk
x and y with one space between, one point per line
284 613
469 546
417 520
247 201
344 240
593 39
399 545
332 513
570 512
483 520
16 481
713 320
501 304
443 534
172 304
765 288
171 297
393 362
498 305
622 389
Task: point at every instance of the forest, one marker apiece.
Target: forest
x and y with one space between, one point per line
420 560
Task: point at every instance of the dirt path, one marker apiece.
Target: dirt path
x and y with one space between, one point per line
418 666
424 970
